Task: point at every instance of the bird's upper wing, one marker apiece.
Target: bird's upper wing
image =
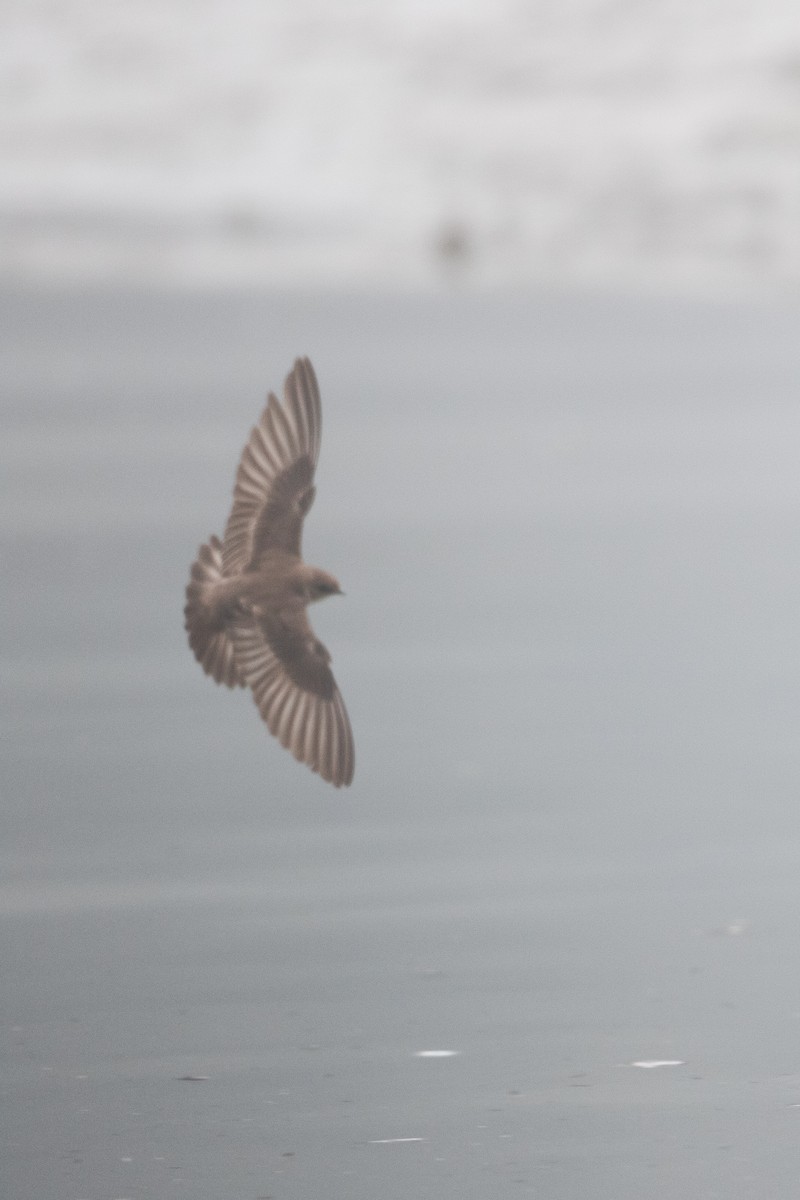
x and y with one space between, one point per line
274 484
294 688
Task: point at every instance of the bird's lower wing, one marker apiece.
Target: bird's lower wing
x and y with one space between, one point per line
296 694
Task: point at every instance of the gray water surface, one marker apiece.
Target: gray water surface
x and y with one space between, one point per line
568 534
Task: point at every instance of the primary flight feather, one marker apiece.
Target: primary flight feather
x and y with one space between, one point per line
247 595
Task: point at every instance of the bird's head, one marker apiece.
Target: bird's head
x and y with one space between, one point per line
318 584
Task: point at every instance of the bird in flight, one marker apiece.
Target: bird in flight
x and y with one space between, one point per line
247 594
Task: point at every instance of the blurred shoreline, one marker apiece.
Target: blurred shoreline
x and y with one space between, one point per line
652 145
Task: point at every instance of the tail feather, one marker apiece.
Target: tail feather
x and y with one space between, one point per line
208 639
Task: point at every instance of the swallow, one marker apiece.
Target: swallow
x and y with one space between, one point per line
247 594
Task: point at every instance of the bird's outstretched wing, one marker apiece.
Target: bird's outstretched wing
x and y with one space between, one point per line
274 483
294 689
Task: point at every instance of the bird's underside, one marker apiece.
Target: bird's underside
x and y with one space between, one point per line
247 595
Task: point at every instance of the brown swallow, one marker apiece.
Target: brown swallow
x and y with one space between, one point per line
247 596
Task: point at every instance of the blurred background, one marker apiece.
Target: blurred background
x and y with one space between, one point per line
386 144
545 259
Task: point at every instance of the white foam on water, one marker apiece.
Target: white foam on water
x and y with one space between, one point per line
648 1064
394 1141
